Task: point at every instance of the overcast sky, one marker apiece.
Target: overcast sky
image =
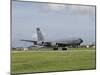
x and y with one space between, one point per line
57 21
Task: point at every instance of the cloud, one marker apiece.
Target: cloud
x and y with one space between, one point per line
73 9
56 7
83 10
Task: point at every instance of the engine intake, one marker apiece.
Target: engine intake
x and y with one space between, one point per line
40 43
54 44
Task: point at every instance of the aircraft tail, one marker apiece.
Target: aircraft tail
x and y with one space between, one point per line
39 35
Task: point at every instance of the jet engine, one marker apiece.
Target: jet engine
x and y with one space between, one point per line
40 43
54 44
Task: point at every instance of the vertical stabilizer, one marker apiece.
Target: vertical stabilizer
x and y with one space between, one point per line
39 35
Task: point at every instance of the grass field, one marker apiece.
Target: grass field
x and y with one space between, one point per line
46 61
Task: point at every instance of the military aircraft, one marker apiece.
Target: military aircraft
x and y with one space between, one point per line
54 44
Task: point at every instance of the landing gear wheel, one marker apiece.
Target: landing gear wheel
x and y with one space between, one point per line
55 48
64 48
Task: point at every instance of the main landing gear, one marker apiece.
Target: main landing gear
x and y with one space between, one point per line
56 48
64 48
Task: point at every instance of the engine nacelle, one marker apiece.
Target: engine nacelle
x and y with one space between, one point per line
54 44
40 43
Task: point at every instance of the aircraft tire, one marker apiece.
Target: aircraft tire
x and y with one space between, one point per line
64 48
55 48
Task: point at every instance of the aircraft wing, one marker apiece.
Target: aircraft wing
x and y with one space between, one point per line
28 40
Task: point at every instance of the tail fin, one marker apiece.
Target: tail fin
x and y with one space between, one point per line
39 35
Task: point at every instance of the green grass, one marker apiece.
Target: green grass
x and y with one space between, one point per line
36 61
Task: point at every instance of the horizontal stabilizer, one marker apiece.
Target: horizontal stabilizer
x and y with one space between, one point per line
27 40
35 42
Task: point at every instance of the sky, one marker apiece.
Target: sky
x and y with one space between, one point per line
56 21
